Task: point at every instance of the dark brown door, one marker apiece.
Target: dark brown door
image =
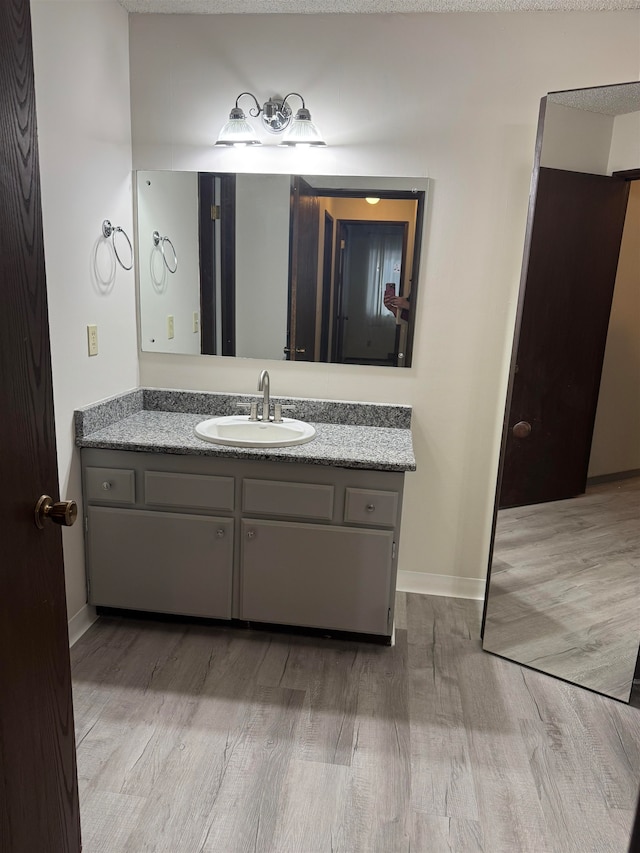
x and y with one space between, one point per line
303 272
575 244
38 787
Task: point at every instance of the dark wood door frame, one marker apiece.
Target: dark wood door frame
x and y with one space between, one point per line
327 280
211 210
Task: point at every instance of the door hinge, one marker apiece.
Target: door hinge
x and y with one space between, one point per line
86 524
215 212
393 551
388 619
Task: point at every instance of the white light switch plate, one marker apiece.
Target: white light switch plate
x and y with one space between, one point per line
92 340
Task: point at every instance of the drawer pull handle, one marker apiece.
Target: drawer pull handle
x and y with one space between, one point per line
106 485
251 534
371 507
220 533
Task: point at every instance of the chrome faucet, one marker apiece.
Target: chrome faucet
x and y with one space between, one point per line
263 385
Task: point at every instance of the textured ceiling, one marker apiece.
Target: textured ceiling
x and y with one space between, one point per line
310 7
609 100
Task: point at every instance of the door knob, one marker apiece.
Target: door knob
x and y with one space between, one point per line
522 429
61 512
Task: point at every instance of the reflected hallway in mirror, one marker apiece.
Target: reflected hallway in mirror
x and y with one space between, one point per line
280 266
563 588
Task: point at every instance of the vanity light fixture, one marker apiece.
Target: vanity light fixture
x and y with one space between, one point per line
277 117
372 199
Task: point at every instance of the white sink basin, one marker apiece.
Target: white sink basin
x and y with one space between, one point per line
239 431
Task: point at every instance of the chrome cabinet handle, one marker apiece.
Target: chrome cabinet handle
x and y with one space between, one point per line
220 533
251 534
106 485
371 507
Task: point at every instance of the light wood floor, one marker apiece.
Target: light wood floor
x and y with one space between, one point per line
193 739
565 587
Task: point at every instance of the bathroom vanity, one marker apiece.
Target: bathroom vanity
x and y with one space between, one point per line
302 536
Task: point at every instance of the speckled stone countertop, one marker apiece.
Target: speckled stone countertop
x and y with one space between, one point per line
374 436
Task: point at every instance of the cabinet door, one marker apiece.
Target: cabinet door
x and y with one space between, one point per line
160 561
318 576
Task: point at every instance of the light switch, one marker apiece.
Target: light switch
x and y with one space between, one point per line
92 339
170 329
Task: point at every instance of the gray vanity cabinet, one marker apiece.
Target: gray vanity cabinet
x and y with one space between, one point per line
260 541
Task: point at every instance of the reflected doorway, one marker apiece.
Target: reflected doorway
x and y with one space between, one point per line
370 255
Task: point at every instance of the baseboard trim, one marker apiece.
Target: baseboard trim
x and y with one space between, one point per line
613 478
81 622
447 585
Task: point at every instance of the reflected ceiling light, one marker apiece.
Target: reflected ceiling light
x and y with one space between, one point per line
372 200
276 114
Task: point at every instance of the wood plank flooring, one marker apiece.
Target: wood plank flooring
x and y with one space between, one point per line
565 587
194 739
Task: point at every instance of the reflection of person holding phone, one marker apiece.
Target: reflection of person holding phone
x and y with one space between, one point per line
395 303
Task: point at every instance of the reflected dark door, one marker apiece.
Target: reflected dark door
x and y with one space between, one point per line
303 272
371 254
575 244
38 787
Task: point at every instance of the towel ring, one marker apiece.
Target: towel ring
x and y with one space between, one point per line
160 241
109 230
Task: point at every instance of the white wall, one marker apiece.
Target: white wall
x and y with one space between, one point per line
262 264
167 202
466 88
625 150
577 140
82 103
616 434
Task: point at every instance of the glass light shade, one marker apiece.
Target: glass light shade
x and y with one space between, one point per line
372 199
238 131
302 131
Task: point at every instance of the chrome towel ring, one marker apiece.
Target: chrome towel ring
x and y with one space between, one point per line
160 241
109 230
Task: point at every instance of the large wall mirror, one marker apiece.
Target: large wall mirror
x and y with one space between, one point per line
563 592
269 266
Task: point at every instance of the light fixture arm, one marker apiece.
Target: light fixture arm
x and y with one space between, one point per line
254 111
284 100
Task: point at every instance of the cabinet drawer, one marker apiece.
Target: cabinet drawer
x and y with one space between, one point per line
373 508
111 485
192 491
300 500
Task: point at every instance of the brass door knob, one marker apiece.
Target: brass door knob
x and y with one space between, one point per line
522 429
60 512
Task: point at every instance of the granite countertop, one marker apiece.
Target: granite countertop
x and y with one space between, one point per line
372 436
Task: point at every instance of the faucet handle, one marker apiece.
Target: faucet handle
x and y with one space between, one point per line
252 407
278 408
